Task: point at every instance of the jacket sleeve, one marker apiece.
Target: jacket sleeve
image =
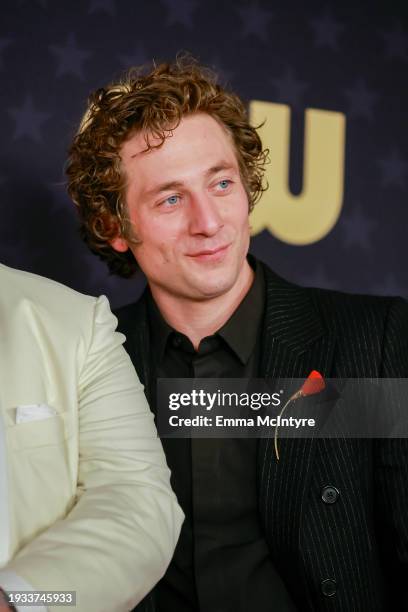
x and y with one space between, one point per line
118 539
391 467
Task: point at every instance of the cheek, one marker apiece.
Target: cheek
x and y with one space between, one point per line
166 229
157 235
242 206
165 252
154 251
243 217
159 248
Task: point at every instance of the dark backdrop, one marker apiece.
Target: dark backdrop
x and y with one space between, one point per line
347 57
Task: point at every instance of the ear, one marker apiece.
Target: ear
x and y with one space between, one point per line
119 244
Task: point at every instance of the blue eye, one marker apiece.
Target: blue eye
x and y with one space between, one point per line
224 184
172 200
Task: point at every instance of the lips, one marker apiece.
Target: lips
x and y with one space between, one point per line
210 254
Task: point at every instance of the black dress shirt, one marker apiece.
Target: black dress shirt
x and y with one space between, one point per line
347 555
221 563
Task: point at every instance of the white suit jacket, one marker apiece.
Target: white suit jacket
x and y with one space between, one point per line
85 499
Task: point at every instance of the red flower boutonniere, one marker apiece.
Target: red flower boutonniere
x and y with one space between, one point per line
313 384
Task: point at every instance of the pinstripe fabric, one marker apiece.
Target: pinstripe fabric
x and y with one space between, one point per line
361 541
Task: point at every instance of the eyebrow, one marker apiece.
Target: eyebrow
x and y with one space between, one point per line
219 167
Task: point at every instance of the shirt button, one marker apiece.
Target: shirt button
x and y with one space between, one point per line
330 494
176 341
328 587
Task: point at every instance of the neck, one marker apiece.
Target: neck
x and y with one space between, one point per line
197 319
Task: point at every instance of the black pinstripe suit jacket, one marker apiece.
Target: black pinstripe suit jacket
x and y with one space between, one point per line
361 541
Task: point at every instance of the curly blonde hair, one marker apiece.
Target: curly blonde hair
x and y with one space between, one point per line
152 102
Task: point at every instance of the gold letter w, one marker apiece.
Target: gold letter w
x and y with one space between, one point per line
310 216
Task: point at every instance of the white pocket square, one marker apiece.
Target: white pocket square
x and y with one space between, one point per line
34 412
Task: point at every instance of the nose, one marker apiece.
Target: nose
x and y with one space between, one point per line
204 215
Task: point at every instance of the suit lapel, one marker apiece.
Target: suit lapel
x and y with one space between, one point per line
295 342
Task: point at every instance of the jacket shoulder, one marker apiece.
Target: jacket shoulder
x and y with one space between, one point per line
340 309
347 314
21 289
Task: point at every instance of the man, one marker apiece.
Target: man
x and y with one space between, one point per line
85 501
164 170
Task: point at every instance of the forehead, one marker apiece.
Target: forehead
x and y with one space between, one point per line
197 140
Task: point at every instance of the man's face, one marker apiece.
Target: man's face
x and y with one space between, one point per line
189 209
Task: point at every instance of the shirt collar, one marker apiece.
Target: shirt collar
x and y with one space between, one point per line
240 332
160 330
